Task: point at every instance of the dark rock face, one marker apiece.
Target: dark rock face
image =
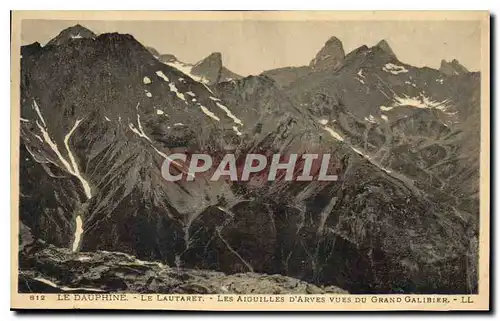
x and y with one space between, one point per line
330 56
119 134
452 68
100 115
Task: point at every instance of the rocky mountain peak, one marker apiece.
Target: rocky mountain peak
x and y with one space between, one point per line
213 60
331 56
459 67
333 41
384 45
72 33
214 56
210 67
452 68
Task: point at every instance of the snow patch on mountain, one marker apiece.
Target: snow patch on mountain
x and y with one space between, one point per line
146 80
75 170
78 232
70 165
333 133
411 84
374 162
229 113
37 109
186 69
177 93
371 119
360 76
160 74
209 113
385 108
139 131
357 151
394 69
420 101
38 137
237 131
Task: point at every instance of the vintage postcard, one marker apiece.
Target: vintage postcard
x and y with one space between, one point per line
223 161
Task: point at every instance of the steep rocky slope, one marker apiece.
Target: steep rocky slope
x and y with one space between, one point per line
100 114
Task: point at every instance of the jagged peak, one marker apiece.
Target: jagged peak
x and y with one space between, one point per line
452 68
74 32
331 55
210 68
214 57
333 41
78 28
384 45
116 36
455 63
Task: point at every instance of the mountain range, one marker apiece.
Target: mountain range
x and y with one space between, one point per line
100 113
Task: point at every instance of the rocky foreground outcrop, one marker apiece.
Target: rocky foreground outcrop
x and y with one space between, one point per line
48 269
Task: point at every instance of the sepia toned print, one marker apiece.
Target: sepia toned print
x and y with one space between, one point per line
250 161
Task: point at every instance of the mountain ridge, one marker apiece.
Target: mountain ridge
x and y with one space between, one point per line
105 113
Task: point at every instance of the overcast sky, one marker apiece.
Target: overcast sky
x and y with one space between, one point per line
250 47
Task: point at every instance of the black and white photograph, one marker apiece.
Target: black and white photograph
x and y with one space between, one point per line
290 159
